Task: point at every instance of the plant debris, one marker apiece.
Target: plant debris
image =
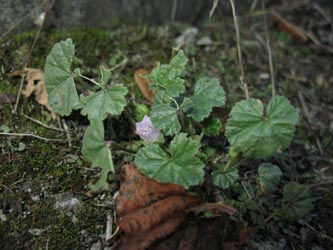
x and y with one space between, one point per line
143 84
148 210
36 86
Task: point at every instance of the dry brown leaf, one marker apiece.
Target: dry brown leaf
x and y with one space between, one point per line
149 210
143 84
36 86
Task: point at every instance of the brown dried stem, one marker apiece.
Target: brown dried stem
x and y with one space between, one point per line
269 50
241 78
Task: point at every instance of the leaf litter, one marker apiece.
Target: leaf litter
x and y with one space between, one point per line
149 211
36 86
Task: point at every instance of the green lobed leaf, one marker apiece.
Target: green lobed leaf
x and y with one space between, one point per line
296 201
179 165
62 94
211 126
97 152
225 179
98 105
208 93
269 177
167 77
164 115
106 74
259 135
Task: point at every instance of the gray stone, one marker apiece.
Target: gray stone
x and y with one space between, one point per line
19 15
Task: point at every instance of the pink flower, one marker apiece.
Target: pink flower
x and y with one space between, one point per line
146 130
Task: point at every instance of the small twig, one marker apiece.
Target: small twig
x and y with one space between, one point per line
211 12
68 135
44 125
90 80
29 54
120 65
269 51
271 216
47 244
128 115
115 145
253 5
305 108
19 92
34 136
320 184
174 10
108 230
242 77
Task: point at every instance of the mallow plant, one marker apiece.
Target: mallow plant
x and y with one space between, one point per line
173 151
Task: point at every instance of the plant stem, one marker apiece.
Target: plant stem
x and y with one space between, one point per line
44 125
175 102
35 136
269 50
272 216
241 78
91 80
115 145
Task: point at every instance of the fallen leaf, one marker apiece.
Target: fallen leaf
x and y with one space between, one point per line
36 85
143 84
149 210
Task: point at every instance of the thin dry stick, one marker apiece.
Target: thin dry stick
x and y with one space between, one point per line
44 125
20 91
34 136
68 135
211 12
269 50
29 54
173 11
241 78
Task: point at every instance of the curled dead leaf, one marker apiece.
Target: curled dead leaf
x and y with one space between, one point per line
143 84
36 86
149 210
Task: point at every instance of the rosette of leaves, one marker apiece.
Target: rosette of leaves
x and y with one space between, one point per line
167 77
260 134
168 84
296 201
63 98
177 164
